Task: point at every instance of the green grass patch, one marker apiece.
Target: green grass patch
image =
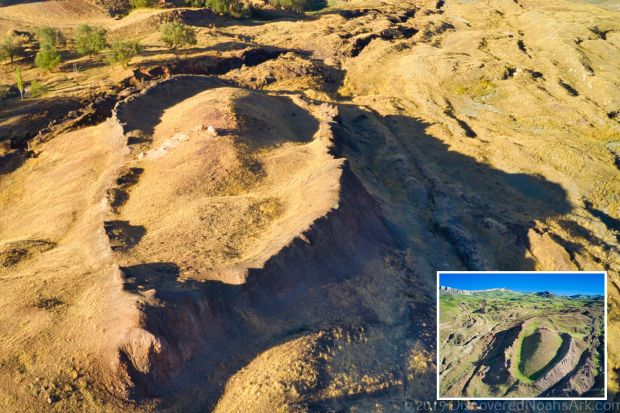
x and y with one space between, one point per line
537 351
596 360
526 331
448 308
476 89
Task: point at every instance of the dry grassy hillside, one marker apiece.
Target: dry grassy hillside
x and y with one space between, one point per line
253 222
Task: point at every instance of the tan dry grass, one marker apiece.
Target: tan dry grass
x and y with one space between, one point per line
57 304
215 202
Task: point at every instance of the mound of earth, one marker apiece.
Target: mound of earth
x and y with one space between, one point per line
258 221
233 176
538 350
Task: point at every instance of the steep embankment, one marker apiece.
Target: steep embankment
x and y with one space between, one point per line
283 225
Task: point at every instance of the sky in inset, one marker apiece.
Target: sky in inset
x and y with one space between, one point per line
560 284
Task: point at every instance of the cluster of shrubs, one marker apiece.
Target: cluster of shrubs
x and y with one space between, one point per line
35 89
176 35
50 40
87 40
11 46
90 40
238 8
295 5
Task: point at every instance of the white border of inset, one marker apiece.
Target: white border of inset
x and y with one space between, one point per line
514 399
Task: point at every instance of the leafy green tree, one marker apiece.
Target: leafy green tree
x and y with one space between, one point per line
19 80
121 52
234 8
47 57
51 35
219 6
176 35
90 40
11 47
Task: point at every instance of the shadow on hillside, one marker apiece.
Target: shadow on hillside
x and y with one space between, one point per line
12 161
610 222
122 235
220 328
495 358
295 124
145 111
483 213
31 115
12 2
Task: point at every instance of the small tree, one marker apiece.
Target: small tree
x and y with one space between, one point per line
19 80
175 35
11 47
232 7
37 88
122 51
47 57
51 35
89 40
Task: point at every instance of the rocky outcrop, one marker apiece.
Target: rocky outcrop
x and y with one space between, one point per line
563 367
577 382
454 290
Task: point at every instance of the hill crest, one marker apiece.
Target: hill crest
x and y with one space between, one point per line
469 292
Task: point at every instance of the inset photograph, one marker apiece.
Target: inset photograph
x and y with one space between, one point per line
521 335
